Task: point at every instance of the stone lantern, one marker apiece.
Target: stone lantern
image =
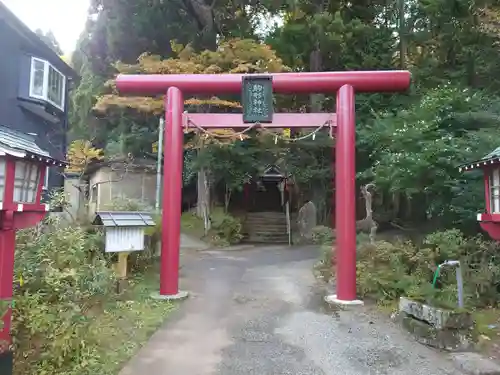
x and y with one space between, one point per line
22 174
490 165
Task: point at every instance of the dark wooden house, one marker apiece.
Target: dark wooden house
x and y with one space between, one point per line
34 90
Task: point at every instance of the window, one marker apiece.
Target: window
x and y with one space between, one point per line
26 180
2 178
47 83
495 191
46 179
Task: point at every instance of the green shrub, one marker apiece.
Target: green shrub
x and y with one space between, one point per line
387 271
384 269
65 279
225 229
127 204
323 235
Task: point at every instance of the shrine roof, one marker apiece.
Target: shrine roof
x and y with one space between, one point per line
272 170
492 158
21 145
124 219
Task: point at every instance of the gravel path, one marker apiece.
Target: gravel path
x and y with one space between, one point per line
260 312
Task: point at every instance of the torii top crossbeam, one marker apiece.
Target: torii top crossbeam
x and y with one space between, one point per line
285 83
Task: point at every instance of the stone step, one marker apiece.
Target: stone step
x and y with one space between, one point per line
270 232
266 214
266 218
265 227
268 235
267 240
267 221
264 231
282 233
256 221
266 224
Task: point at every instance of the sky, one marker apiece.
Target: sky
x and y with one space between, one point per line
66 18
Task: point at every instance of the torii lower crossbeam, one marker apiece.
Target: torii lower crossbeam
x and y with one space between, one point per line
280 120
344 83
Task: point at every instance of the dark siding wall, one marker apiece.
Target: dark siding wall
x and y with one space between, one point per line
14 87
9 71
24 69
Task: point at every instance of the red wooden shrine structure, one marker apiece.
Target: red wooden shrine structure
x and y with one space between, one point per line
489 220
341 125
23 167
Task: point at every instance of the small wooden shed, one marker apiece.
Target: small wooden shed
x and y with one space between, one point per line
124 229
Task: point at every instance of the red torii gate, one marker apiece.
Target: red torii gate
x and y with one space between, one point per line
345 83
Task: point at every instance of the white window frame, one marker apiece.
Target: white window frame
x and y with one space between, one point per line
25 187
46 179
45 95
495 190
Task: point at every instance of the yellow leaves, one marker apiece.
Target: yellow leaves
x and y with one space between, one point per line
298 14
489 17
236 56
213 101
218 137
141 104
155 105
232 56
176 47
80 154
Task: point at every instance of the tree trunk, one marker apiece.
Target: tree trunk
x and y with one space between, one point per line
227 198
203 204
204 16
315 64
402 34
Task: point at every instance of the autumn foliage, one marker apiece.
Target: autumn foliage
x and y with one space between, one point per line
80 154
233 56
237 56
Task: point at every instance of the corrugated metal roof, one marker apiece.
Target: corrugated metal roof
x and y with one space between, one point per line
493 158
124 219
493 154
20 141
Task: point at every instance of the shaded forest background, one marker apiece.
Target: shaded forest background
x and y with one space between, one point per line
408 145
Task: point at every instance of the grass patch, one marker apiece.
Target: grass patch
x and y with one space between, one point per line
192 225
126 323
487 322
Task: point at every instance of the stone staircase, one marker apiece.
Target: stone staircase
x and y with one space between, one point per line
265 227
